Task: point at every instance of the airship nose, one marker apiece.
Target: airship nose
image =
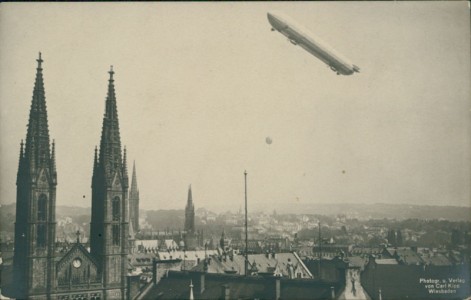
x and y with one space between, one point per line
274 21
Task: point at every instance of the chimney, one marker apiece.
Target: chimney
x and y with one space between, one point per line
202 284
226 292
273 255
332 292
277 288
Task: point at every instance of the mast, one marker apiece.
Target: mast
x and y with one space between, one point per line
246 228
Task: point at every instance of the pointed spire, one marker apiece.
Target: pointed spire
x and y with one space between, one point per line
95 168
134 188
37 147
190 198
110 157
134 200
20 163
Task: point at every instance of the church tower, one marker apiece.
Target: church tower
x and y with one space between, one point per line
189 214
33 260
134 201
109 224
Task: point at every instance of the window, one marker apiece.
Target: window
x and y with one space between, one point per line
42 204
41 235
115 209
115 234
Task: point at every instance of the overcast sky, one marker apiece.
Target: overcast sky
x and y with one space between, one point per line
200 86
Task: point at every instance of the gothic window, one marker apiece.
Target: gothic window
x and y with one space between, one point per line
115 209
115 234
41 235
42 207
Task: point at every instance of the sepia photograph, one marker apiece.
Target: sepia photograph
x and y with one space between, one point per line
235 150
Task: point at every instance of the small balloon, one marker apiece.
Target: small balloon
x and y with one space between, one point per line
268 140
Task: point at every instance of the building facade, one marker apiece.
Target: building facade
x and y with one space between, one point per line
41 272
109 226
33 261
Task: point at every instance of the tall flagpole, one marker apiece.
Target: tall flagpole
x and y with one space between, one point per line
246 231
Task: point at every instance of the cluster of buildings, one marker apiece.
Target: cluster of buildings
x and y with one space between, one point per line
117 264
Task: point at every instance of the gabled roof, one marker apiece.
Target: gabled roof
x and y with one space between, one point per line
264 264
177 286
185 255
407 256
72 253
386 261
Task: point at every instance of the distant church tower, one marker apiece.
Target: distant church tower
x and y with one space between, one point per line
33 260
191 236
134 201
109 225
189 214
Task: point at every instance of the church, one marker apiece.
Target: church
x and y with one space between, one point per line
41 272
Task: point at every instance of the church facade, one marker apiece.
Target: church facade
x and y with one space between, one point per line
41 272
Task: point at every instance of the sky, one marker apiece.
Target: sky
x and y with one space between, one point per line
200 87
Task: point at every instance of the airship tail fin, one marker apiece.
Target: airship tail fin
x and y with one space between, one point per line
356 68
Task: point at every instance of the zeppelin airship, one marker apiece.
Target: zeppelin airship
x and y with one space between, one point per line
298 35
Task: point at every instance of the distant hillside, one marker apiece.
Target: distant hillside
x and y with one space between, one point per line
382 210
163 218
175 218
77 214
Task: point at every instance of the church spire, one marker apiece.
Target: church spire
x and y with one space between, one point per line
134 188
134 200
37 146
35 200
110 158
20 163
190 198
189 213
109 227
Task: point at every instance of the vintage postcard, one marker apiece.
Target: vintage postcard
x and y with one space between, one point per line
235 150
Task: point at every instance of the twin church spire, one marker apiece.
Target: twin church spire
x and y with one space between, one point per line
36 152
110 158
36 203
35 200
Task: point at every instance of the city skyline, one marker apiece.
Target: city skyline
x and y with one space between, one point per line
200 90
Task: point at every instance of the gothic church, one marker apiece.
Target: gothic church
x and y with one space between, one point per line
39 271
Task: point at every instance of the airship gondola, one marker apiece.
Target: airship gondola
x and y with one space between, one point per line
298 35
